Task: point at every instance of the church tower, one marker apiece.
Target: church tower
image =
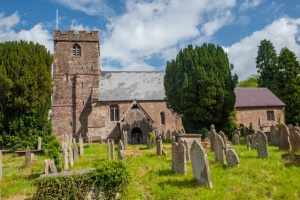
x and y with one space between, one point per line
76 72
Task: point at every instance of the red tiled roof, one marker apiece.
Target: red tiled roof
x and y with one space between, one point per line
256 97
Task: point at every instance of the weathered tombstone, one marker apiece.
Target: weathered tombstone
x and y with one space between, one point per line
121 150
212 137
46 166
262 144
200 164
159 146
66 160
81 150
67 140
284 138
253 141
224 139
174 157
295 139
89 139
53 168
31 157
1 157
28 157
187 150
248 142
168 135
235 136
163 135
181 158
274 136
108 150
112 143
75 153
39 143
232 158
71 161
219 150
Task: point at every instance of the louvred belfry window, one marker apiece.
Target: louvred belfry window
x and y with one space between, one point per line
76 50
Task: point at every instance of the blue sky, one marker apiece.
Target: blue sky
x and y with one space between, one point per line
142 35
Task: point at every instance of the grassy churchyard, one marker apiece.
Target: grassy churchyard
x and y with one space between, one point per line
152 177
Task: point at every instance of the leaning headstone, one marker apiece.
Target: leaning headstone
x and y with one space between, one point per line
174 157
53 168
39 143
262 145
47 166
187 150
28 157
121 150
221 133
232 158
181 158
284 138
200 164
1 165
81 150
295 139
159 146
219 150
274 136
66 160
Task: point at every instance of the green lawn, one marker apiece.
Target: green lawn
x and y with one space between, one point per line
152 177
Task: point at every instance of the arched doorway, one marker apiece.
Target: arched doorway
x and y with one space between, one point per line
136 136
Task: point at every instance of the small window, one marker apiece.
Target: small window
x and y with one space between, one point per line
114 113
270 116
76 50
81 84
83 103
162 118
67 77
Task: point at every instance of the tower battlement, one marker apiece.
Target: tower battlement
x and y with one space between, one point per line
70 35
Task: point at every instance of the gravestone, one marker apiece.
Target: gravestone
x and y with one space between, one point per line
284 138
28 157
212 137
89 139
200 164
108 150
66 159
232 158
235 136
71 161
168 136
75 153
174 157
39 143
295 139
124 138
253 141
224 139
181 158
112 148
47 166
274 136
81 150
159 146
187 150
219 150
121 150
262 144
53 168
248 142
1 157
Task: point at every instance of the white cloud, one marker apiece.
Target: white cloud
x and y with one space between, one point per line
37 34
282 33
78 27
154 28
249 4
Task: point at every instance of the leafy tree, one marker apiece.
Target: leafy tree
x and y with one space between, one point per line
250 82
199 86
266 62
25 81
288 82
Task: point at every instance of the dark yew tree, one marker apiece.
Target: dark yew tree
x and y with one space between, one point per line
199 86
288 84
266 63
25 82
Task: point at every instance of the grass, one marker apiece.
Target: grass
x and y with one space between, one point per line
152 176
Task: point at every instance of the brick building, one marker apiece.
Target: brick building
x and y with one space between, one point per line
259 107
104 104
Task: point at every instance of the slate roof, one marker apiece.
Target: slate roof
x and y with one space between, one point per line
130 85
256 97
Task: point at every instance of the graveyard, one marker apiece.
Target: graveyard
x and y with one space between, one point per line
152 176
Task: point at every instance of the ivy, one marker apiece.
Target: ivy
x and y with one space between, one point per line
105 181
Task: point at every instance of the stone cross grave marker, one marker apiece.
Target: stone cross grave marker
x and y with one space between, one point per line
262 144
232 158
200 164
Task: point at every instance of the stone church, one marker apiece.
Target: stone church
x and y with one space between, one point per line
88 101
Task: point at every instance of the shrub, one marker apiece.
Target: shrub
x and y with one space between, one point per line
151 140
53 151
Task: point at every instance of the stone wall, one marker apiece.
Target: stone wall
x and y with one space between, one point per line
258 116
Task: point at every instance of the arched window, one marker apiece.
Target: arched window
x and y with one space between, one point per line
162 118
76 50
114 113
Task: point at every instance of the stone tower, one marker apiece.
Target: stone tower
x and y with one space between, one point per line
76 72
